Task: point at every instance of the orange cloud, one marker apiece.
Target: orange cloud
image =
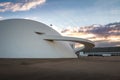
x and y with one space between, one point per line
80 35
102 35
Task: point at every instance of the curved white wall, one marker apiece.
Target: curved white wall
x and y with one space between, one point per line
19 40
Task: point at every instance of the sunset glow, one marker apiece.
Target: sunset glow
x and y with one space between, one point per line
100 35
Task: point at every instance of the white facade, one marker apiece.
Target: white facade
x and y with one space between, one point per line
18 39
82 54
106 54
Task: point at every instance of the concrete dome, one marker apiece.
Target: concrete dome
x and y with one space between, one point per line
21 38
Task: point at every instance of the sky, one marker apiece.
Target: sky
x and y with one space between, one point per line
63 13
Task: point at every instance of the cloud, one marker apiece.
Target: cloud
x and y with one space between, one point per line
20 6
102 35
107 30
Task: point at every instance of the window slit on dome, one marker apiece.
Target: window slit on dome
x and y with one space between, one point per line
39 33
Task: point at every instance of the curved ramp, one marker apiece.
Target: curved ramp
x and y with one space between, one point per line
87 43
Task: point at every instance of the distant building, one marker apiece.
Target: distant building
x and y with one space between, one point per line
101 51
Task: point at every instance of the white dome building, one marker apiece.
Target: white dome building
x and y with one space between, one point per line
21 38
